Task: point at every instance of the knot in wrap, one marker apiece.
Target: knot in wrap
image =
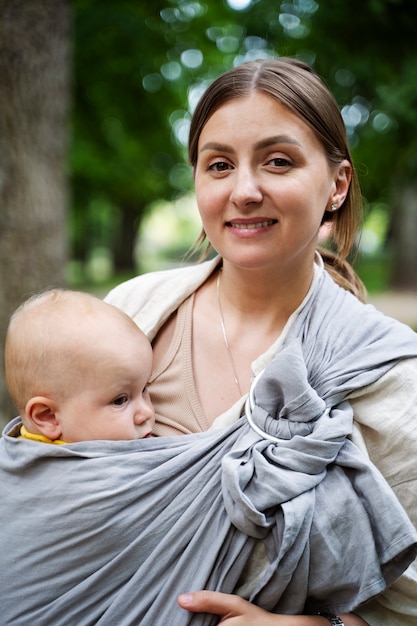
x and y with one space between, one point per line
292 439
283 404
284 408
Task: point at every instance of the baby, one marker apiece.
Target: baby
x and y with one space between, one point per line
77 370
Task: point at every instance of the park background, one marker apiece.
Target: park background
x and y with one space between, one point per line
95 105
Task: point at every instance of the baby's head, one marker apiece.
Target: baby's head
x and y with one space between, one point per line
77 368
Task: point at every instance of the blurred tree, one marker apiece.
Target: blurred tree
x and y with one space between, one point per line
34 101
368 53
122 155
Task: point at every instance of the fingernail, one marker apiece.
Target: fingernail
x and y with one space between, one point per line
186 598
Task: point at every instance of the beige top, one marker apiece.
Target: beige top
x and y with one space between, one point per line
171 385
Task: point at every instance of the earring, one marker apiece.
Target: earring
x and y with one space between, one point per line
333 207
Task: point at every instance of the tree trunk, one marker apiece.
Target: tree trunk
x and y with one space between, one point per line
404 237
34 106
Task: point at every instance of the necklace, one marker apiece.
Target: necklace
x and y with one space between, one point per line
226 343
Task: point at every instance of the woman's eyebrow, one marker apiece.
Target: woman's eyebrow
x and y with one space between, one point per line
264 143
277 139
212 145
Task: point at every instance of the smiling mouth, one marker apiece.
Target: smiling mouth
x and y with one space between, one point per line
251 225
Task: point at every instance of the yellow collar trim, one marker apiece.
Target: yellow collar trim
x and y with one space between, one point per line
25 434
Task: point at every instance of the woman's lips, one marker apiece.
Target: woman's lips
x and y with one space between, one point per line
252 225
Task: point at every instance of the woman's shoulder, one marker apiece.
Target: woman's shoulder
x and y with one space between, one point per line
151 298
400 378
395 386
176 277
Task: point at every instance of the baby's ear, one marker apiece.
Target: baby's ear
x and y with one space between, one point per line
42 414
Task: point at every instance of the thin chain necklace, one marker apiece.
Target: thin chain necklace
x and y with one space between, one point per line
226 343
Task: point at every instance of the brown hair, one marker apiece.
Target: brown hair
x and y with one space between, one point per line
295 85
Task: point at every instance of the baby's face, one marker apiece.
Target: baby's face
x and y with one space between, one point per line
112 401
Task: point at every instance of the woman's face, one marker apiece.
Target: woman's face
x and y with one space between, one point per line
263 183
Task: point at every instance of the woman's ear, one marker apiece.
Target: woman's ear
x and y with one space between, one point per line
343 176
42 414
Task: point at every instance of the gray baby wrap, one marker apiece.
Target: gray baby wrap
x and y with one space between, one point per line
109 533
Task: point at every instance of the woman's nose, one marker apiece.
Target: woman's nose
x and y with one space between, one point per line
246 188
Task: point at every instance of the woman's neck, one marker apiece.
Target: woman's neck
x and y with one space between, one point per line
253 295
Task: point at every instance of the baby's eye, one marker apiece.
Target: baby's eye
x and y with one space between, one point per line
219 166
120 400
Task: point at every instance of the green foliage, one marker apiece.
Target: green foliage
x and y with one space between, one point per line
374 271
122 155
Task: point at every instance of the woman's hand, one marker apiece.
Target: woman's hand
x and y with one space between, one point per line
234 611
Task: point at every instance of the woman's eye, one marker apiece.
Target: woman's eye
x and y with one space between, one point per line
120 400
219 166
279 162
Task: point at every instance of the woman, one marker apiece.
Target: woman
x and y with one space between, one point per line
271 165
